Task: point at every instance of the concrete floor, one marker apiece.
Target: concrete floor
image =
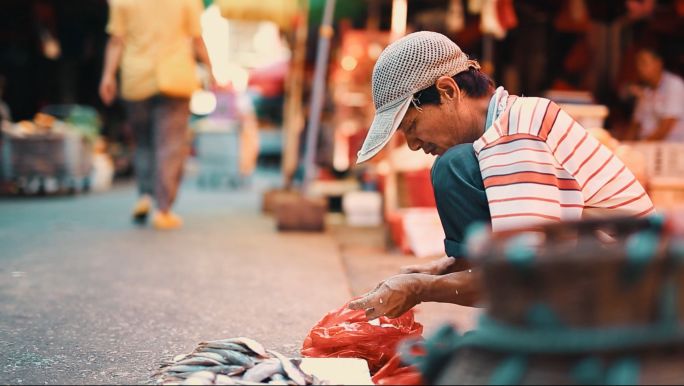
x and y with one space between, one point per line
88 298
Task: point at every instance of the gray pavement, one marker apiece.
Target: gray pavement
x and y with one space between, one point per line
103 301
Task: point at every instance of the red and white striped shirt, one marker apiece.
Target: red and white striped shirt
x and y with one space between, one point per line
539 165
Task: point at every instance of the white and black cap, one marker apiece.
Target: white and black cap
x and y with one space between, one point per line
407 66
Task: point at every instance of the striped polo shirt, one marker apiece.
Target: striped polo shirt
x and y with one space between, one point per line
539 165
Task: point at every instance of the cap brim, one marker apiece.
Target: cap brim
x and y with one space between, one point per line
385 123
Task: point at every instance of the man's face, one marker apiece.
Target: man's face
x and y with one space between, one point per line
438 128
648 66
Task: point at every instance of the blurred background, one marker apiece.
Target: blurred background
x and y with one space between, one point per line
74 266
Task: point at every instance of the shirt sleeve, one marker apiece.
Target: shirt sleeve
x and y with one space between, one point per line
117 18
539 165
459 194
674 99
195 9
608 187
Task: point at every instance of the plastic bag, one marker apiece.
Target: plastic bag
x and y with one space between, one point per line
393 374
345 333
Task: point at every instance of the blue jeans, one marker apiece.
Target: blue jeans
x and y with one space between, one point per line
160 126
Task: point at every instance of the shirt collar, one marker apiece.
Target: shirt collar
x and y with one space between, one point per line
496 106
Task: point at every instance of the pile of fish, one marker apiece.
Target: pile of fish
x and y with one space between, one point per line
237 361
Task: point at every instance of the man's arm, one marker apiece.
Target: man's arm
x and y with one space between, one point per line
108 85
632 133
398 294
663 130
442 266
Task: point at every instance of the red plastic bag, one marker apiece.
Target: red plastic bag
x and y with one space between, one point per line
392 374
345 333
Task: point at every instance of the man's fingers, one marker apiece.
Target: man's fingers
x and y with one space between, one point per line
358 304
409 269
374 313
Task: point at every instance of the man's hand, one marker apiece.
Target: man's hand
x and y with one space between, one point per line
392 297
108 89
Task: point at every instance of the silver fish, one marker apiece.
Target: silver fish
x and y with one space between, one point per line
279 378
241 382
225 354
237 358
262 371
249 343
180 357
290 369
224 346
209 355
201 361
226 369
197 381
224 380
182 369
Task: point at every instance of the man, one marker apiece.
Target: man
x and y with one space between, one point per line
153 40
659 113
504 160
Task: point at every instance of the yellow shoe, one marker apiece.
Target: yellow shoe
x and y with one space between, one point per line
142 209
166 221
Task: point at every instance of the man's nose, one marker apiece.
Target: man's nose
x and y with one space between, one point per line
414 143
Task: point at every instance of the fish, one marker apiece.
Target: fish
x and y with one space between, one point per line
279 378
290 369
237 358
262 371
210 355
224 346
197 381
224 353
181 369
241 382
180 357
224 380
201 361
226 369
251 344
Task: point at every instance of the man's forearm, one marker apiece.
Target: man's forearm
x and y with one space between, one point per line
463 288
663 130
113 53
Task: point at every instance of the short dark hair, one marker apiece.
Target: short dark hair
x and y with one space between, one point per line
653 49
474 83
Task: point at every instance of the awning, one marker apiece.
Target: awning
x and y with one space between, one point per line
280 12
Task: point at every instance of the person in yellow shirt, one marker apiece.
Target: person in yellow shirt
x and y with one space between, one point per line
155 43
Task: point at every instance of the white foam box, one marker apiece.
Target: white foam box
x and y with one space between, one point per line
362 209
338 371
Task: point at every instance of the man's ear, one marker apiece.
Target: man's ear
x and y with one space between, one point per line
448 89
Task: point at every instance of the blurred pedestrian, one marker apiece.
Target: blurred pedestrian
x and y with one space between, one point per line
659 113
155 43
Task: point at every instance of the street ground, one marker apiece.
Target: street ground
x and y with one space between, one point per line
87 297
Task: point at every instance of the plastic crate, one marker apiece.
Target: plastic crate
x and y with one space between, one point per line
663 159
34 162
665 172
218 155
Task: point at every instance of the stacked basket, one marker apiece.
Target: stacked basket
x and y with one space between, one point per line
565 308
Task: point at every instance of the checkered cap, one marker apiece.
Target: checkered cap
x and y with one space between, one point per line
411 64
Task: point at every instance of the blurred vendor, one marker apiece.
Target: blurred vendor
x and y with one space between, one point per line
504 160
659 113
